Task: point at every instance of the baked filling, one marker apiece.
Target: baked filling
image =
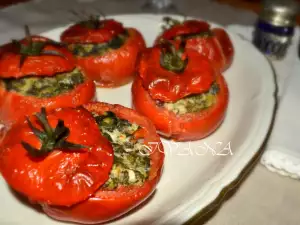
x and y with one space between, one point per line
131 157
93 49
194 103
45 87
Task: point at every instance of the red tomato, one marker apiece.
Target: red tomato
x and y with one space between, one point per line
39 65
84 32
210 48
190 126
226 45
13 106
214 44
107 205
61 177
167 86
117 66
187 27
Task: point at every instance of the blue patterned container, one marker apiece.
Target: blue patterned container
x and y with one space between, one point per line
275 27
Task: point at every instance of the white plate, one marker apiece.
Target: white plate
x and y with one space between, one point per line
191 179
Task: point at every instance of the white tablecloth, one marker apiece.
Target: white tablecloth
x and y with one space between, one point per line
42 15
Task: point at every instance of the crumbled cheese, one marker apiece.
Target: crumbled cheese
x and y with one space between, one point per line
132 177
132 163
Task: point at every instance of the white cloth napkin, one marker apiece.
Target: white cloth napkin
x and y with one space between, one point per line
283 149
282 154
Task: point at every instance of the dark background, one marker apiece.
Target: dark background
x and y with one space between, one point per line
253 5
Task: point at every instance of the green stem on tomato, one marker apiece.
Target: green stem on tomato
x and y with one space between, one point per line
34 48
172 59
50 138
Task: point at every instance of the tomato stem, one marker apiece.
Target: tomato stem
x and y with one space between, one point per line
93 22
50 138
173 59
34 48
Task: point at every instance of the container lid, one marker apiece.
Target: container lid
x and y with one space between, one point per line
280 12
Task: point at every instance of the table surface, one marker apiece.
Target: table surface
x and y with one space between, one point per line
263 198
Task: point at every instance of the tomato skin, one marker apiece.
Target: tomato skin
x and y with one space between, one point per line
168 86
82 34
188 127
61 177
14 106
187 27
43 65
108 205
209 47
226 45
116 67
218 48
99 209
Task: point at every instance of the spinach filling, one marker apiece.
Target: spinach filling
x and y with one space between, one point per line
85 50
185 37
194 103
45 87
131 157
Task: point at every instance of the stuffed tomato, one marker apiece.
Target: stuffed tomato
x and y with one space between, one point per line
180 91
215 44
37 72
92 164
105 50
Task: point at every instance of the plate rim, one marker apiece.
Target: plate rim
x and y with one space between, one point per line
217 186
